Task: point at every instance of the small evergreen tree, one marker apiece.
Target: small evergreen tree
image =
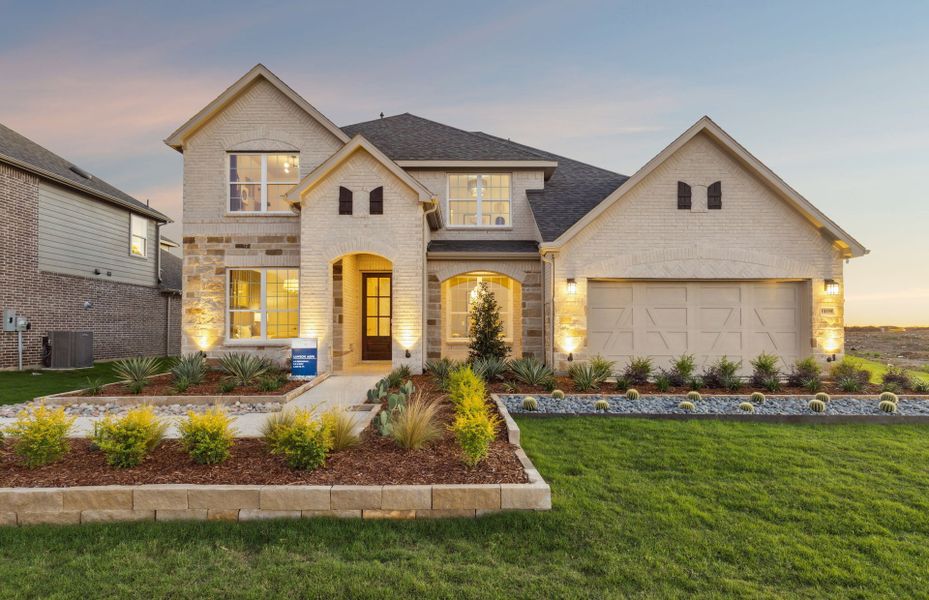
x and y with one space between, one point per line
486 329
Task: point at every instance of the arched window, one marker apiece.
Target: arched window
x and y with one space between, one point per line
714 196
683 196
345 201
376 201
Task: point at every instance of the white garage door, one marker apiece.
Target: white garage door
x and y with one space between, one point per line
707 319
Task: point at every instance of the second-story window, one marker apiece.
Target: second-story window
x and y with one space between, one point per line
479 200
138 235
259 180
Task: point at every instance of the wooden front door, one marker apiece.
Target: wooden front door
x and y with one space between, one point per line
375 316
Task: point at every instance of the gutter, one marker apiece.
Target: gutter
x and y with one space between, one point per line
423 316
482 255
158 256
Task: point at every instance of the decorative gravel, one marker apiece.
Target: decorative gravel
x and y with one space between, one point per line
713 405
98 410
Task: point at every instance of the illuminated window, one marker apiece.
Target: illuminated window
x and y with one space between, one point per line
138 235
479 200
259 181
461 290
263 303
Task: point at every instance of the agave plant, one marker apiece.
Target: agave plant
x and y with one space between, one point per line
136 371
584 376
602 368
531 371
489 368
190 367
244 369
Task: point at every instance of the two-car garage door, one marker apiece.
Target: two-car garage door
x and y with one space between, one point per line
708 319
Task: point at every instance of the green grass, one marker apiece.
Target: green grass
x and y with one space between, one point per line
660 509
23 386
878 369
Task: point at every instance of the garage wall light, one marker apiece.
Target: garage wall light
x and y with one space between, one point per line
572 286
831 287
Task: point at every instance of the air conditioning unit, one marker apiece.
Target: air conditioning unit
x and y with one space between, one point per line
70 349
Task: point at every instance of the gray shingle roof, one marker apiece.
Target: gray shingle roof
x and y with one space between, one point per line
408 137
172 268
570 193
30 155
483 246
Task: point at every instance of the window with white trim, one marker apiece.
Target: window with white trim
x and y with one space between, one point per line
479 200
263 304
461 291
138 235
258 181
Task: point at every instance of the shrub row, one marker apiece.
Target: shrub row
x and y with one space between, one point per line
475 424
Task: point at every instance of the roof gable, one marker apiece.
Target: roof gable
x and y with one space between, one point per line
826 226
259 71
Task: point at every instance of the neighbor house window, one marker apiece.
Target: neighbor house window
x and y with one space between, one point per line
460 293
138 235
259 181
263 303
479 200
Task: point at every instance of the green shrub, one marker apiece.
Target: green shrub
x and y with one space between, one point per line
638 370
887 406
765 370
531 371
805 373
440 370
694 396
94 387
849 384
40 435
486 326
721 374
602 405
474 433
817 406
891 386
405 372
846 369
127 440
632 394
602 368
747 407
340 424
813 385
190 367
771 384
395 378
179 386
302 440
530 403
757 398
270 383
557 395
136 371
489 368
897 376
623 383
244 369
682 369
823 397
226 385
687 405
662 383
695 383
207 436
889 397
583 376
416 425
921 386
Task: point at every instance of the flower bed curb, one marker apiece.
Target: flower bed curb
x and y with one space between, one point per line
173 502
75 397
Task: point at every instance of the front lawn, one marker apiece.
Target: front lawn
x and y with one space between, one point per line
641 508
878 368
23 386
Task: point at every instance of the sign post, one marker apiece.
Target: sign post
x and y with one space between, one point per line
303 358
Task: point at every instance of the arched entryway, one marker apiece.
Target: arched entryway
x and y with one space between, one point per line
363 327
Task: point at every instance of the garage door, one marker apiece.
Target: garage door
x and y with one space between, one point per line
706 319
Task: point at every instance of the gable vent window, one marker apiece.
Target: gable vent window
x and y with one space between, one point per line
714 196
683 196
376 199
345 201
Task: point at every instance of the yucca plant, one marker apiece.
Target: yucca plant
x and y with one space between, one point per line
417 424
602 368
583 376
489 368
531 371
190 367
136 371
243 369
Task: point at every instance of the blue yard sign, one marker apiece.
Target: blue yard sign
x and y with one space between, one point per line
303 358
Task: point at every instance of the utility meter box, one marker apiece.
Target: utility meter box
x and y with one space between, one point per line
9 319
22 323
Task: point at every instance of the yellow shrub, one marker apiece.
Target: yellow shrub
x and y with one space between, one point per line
40 435
464 386
474 432
127 440
301 439
207 436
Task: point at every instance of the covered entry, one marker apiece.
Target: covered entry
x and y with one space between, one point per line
362 310
709 319
375 338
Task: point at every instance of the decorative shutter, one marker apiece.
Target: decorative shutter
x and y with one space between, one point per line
683 196
714 196
345 201
376 199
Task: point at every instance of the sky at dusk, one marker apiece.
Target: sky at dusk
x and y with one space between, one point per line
833 96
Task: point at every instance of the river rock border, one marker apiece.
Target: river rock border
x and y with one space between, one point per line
74 397
174 502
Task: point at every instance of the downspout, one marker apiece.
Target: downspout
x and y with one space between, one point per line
158 249
425 299
550 360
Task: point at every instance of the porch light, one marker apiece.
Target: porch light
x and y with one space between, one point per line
831 287
572 286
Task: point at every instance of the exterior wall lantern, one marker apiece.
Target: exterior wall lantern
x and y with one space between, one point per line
831 287
572 286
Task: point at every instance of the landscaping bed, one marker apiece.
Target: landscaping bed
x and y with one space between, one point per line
163 385
99 409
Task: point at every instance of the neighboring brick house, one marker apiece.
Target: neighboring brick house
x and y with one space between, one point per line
77 254
371 238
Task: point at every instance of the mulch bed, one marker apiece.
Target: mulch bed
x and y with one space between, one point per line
375 461
161 385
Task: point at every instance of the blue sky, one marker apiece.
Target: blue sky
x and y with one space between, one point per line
833 96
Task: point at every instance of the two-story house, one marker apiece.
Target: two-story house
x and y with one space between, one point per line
372 237
77 254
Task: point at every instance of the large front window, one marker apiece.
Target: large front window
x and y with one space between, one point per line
479 200
259 181
462 290
263 303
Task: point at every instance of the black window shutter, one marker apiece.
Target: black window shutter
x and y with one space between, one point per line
345 201
376 199
714 196
683 196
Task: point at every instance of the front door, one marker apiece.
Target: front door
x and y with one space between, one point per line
375 314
